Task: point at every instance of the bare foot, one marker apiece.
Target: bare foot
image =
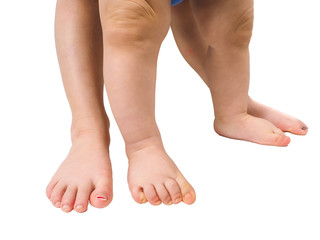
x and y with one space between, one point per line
252 129
153 177
281 120
84 175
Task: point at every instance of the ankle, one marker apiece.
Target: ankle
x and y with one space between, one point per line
149 142
230 118
90 128
254 108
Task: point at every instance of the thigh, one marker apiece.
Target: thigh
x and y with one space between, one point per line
149 7
188 37
223 20
135 20
223 9
140 16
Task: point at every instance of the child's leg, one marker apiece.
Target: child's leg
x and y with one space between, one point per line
86 172
133 32
194 47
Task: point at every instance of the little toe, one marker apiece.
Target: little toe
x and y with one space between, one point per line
57 194
174 190
68 199
50 188
83 194
163 194
138 195
151 194
102 194
188 193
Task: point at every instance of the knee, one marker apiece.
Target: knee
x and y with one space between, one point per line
226 30
133 22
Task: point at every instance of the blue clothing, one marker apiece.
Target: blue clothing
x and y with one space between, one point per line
175 2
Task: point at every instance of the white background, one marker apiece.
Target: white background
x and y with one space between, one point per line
244 191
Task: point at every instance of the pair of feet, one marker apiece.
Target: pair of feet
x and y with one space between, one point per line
86 173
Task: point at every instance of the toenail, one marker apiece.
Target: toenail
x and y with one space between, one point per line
79 207
169 203
57 204
144 200
65 208
158 203
188 196
177 200
102 198
304 128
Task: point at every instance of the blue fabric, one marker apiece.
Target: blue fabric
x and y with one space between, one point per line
175 2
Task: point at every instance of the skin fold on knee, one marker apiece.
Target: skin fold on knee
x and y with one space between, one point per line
243 29
229 28
133 22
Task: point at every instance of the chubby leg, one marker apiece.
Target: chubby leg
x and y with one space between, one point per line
86 172
132 35
195 47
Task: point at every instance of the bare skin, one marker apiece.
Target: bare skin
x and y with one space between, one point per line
132 34
86 174
224 67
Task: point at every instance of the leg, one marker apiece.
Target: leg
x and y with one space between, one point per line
86 172
133 32
193 46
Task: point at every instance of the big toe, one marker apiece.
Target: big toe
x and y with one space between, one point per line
278 138
102 194
187 191
298 128
138 194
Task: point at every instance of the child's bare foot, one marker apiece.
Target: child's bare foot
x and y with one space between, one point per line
153 177
253 129
84 175
281 120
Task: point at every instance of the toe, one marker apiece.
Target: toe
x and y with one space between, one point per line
174 190
299 128
57 194
68 199
138 195
188 193
83 194
151 194
290 124
279 139
50 187
102 194
163 194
